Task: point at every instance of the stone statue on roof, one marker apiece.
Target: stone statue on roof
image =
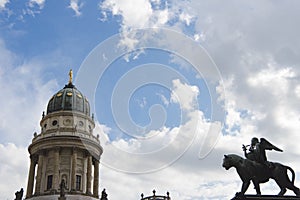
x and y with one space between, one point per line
63 187
19 194
70 76
103 195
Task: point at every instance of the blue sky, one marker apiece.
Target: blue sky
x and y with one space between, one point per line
183 83
30 36
34 31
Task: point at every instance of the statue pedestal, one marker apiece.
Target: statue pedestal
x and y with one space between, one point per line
62 198
265 197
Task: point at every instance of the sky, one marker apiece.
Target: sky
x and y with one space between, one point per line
173 85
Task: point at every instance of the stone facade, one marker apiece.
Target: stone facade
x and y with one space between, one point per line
65 149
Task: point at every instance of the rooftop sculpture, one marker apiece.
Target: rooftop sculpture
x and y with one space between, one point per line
257 169
104 195
63 187
156 197
19 194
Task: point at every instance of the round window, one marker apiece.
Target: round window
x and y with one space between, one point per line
67 122
54 122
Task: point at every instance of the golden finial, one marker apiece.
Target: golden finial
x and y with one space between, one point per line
70 76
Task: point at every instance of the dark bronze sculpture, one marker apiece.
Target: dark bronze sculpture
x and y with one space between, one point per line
103 195
257 150
19 194
257 169
63 187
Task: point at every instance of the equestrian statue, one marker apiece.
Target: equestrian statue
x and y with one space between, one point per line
257 169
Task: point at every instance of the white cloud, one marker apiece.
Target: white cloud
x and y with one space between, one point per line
170 154
160 17
142 14
40 3
26 95
22 87
13 169
182 179
187 178
142 102
186 18
297 91
26 90
34 7
257 49
165 140
274 80
287 118
76 7
164 99
3 3
196 37
135 14
185 95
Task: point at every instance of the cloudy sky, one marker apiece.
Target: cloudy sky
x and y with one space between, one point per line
173 85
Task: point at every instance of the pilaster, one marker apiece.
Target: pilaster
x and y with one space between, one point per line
39 174
74 169
56 170
89 175
31 176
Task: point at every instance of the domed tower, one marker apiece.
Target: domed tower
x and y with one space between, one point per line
65 150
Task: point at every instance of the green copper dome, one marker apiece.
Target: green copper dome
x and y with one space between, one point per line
69 99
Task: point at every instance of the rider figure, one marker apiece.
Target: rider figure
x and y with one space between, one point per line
256 152
253 150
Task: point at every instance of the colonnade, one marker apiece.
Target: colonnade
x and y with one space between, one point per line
39 161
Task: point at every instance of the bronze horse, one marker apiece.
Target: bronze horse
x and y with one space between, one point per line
249 170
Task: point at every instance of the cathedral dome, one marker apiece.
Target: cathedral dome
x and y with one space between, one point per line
69 99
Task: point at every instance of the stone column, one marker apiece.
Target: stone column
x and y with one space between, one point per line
96 178
31 177
74 166
89 175
56 170
39 174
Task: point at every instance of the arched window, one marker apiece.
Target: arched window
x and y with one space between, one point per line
78 182
49 182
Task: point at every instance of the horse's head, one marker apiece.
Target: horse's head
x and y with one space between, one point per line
230 161
227 162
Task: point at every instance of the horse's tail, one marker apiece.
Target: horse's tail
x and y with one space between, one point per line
293 173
